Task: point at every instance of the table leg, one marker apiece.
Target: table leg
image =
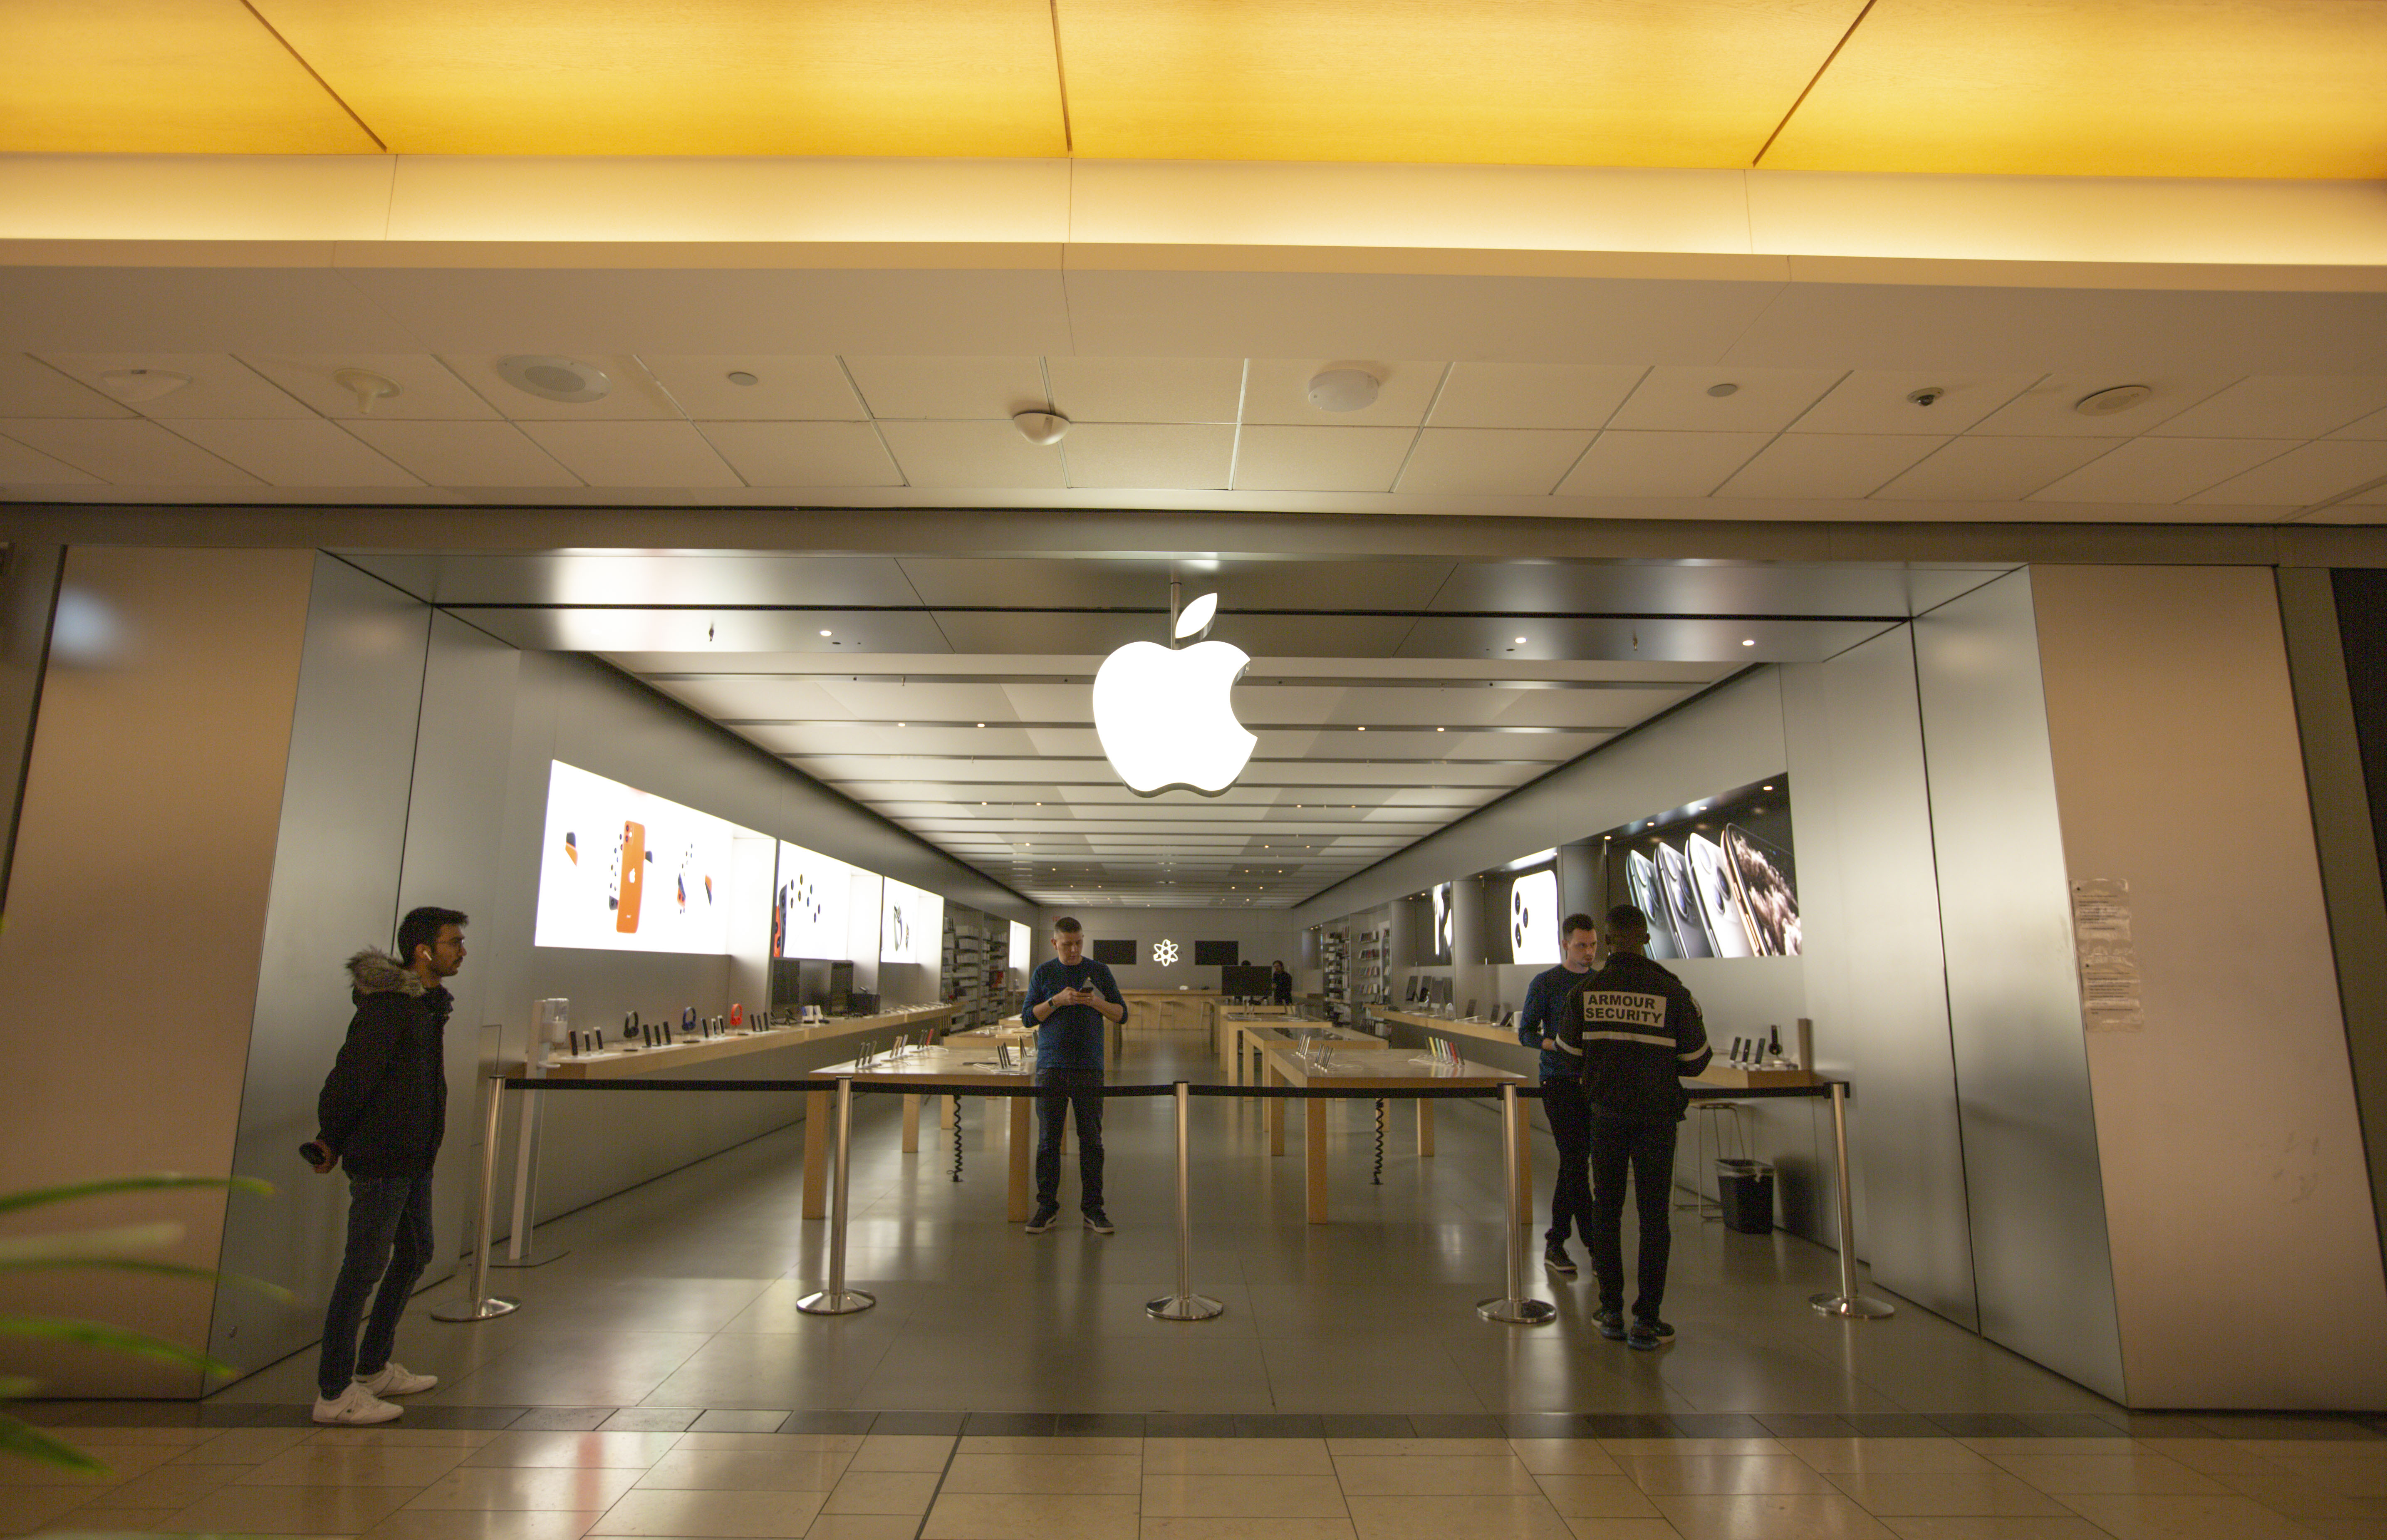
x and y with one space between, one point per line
1276 1114
816 1131
911 1122
1016 1200
1313 1129
1426 1127
1525 1170
946 1107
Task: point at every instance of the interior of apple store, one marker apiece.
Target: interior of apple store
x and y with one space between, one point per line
754 568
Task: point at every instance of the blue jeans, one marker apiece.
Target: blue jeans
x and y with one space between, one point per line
389 1242
1570 1116
1076 1093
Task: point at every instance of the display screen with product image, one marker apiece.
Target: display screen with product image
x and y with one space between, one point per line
810 905
912 924
1716 876
624 870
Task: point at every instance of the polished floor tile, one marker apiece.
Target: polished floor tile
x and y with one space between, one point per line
291 1509
1751 1517
1482 1518
733 1515
1946 1494
1245 1497
1041 1473
746 1470
882 1492
573 1487
987 1516
483 1524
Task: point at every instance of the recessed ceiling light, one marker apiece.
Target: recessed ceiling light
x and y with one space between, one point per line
1749 641
1342 390
1521 641
142 385
1723 389
1442 730
1040 427
740 377
2106 403
554 379
823 633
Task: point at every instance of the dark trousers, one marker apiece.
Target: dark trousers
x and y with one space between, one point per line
1647 1150
389 1242
1058 1093
1570 1116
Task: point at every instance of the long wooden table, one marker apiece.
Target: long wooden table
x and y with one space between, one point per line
1286 1065
615 1064
1247 1036
963 1061
1472 1026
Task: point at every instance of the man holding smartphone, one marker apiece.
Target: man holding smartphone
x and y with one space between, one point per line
1551 1022
383 1111
1071 1003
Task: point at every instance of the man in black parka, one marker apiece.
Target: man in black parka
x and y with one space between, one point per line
383 1111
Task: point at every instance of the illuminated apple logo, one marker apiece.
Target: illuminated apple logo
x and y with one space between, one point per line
1164 715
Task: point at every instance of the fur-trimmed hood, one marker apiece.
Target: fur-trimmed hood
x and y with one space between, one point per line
374 971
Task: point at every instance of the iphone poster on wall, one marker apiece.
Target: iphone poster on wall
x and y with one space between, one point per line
911 925
624 870
1716 876
811 906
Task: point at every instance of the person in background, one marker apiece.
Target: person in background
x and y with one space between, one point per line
383 1112
1280 983
1071 1003
1551 1022
1642 1032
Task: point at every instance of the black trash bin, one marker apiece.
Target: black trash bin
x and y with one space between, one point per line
1745 1190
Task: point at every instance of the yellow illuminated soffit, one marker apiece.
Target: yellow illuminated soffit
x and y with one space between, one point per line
689 76
1624 83
2191 88
160 77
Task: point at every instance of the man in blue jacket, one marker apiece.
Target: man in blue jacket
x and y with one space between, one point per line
1642 1032
1547 1022
1071 1003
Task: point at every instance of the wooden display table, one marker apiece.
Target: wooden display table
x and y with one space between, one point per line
966 1062
1389 1072
1244 1036
1171 1010
615 1064
1486 1031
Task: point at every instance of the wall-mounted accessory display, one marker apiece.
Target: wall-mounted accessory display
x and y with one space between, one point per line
624 870
1716 876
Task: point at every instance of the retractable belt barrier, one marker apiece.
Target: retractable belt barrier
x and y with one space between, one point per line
1514 1308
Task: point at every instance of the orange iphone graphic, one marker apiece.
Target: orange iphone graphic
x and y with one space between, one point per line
634 865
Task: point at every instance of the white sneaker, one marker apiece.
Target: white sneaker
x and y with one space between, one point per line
395 1380
357 1406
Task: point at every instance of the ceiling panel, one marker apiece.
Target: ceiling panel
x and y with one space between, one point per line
2275 406
31 388
466 454
1532 395
2310 474
1277 390
1197 456
970 454
221 385
2372 426
1881 400
1753 400
2049 407
20 466
716 77
728 634
1319 459
1994 470
311 453
171 77
676 577
634 454
950 387
631 394
1620 465
1826 465
805 454
2149 88
426 388
128 452
1146 390
786 388
1523 462
2161 470
1704 588
1710 641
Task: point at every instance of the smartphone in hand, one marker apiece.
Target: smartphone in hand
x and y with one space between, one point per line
317 1153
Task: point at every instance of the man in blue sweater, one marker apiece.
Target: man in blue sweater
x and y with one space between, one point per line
1071 1003
1547 1024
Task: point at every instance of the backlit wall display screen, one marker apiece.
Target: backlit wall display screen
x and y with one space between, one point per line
911 925
1023 954
1716 877
1522 913
810 906
624 870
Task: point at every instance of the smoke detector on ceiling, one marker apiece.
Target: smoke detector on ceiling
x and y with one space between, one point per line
1342 390
135 385
2106 403
554 379
1039 427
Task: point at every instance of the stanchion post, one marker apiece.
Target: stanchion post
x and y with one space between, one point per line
481 1305
836 1299
1513 1308
1184 1304
1847 1302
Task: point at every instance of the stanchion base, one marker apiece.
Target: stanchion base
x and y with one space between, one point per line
1184 1307
536 1258
476 1309
1854 1307
845 1302
1517 1312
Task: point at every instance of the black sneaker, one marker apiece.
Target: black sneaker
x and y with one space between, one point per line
1610 1324
1098 1221
1555 1257
1044 1220
1647 1336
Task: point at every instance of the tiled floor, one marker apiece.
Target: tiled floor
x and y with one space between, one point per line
659 1382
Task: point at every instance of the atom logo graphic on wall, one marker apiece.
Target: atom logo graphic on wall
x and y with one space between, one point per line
1163 953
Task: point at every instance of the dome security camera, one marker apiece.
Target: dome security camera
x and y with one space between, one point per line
1925 396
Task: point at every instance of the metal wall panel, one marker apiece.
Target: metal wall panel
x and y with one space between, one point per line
2041 1256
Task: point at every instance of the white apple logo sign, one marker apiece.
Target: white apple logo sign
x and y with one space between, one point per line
1164 713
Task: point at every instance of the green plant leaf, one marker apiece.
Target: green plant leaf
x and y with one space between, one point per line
29 1442
273 1291
15 1387
155 1181
93 1333
58 1245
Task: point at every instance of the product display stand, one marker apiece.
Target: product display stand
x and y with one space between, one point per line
521 1245
481 1305
1514 1308
1184 1304
836 1299
1847 1302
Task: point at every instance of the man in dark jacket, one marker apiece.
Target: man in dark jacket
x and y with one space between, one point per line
1552 1022
1642 1032
1071 1003
383 1111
